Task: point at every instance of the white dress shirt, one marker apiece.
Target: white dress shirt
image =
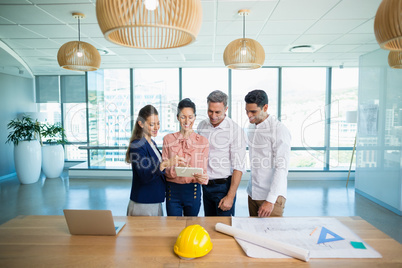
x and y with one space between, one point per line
227 147
156 151
269 146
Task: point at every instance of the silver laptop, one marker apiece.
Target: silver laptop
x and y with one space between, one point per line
91 222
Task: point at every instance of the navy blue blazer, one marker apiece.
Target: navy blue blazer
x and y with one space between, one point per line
149 184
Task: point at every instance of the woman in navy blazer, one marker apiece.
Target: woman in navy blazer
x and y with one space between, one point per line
148 184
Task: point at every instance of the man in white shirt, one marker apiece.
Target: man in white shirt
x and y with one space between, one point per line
269 147
227 152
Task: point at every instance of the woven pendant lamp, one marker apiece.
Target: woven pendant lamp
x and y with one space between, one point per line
395 59
388 25
244 53
78 55
149 24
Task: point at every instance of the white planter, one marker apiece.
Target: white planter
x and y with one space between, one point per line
28 159
52 160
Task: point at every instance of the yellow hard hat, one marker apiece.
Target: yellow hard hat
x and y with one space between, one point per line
193 242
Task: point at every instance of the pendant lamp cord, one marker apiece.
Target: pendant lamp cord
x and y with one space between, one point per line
244 26
79 29
79 36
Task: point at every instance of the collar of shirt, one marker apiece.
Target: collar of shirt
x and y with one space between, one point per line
223 124
265 123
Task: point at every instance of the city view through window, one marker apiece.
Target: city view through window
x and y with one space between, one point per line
313 109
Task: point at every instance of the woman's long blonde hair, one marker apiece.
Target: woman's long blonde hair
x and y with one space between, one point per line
138 132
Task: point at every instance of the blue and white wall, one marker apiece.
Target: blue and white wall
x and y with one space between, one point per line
16 96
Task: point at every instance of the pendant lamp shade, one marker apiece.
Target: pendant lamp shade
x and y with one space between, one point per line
132 23
395 59
78 55
388 25
244 53
89 60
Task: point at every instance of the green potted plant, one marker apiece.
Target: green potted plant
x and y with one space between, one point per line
52 151
25 135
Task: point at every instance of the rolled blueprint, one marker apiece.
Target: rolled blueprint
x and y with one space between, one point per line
290 250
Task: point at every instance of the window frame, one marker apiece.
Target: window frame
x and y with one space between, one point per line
327 148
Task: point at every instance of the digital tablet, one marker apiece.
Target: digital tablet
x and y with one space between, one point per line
187 171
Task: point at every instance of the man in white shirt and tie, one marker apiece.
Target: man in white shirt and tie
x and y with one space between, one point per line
269 147
226 161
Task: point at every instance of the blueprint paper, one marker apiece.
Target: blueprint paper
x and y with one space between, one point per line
264 242
296 231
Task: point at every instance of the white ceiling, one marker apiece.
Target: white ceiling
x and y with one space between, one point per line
340 30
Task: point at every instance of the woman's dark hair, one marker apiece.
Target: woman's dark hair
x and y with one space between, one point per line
258 97
185 103
138 131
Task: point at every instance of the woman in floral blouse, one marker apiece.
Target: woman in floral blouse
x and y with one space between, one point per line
183 194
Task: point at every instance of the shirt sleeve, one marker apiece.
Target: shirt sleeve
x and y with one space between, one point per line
281 158
238 149
205 153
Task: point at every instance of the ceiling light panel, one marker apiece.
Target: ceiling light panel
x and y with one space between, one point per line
334 26
297 10
54 31
16 31
289 27
338 48
62 11
18 14
235 27
365 28
317 38
267 40
354 39
355 9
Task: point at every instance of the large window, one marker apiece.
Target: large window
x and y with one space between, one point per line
48 97
73 98
343 126
246 81
63 100
159 87
198 83
312 102
303 112
52 110
109 115
75 125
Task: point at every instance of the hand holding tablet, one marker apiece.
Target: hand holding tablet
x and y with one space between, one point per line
187 171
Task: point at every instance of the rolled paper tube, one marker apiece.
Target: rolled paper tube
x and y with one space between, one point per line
290 250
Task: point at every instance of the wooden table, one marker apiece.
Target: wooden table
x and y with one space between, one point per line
44 241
